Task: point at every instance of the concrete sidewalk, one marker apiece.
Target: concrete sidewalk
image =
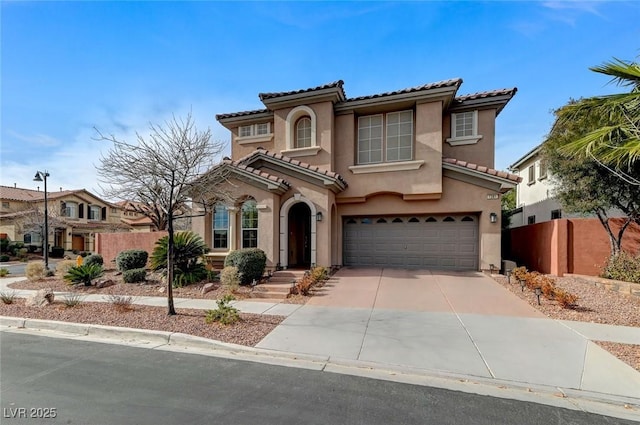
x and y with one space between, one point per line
453 323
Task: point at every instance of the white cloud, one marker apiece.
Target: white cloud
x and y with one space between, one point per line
35 139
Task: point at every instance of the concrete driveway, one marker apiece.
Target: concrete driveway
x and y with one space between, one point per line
460 323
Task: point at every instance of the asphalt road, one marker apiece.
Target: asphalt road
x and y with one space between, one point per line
17 269
82 382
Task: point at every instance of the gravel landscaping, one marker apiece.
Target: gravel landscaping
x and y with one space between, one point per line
596 305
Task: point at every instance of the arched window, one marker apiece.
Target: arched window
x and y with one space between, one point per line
221 226
250 224
303 133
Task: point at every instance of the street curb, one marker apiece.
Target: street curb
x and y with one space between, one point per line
564 397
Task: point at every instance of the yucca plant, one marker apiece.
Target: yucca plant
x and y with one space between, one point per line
84 274
188 251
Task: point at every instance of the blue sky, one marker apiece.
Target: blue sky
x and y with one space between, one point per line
68 67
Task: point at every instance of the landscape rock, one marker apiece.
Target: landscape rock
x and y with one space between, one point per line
41 298
161 290
208 287
103 283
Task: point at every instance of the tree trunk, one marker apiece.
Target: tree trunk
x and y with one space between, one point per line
170 258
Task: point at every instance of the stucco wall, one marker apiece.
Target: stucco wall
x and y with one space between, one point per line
110 244
483 152
579 245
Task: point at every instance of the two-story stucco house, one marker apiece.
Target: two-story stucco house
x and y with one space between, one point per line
74 217
397 179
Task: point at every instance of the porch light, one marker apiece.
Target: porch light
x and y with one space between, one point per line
319 216
508 277
522 282
493 217
538 293
40 176
491 268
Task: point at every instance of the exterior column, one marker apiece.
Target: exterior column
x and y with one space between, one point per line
233 218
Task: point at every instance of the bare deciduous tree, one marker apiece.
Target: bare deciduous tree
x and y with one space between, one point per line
166 171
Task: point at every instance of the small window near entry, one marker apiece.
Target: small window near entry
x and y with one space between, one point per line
220 227
414 220
397 220
250 224
431 220
449 219
351 221
366 221
555 214
381 220
531 219
467 218
532 174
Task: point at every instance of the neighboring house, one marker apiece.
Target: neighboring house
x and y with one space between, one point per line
535 202
397 179
74 217
131 214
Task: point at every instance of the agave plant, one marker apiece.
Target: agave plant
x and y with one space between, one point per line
188 251
84 274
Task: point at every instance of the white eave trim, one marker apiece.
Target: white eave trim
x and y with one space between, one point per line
461 141
254 139
293 153
504 183
385 167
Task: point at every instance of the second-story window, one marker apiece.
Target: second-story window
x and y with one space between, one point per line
303 133
385 137
543 169
70 209
532 174
254 130
94 212
464 124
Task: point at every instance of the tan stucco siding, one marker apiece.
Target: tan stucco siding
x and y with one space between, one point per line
10 230
481 153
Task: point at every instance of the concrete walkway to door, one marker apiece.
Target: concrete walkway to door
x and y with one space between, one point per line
456 323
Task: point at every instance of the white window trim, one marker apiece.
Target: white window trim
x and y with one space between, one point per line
384 167
464 140
255 138
290 128
384 161
546 171
530 180
292 153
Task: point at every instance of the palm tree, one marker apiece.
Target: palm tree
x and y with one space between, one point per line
617 143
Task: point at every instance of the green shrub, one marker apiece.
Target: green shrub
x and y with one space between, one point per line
32 248
85 254
8 297
94 259
134 275
4 258
72 299
230 278
131 259
225 313
188 250
623 266
15 247
4 272
35 270
57 252
84 274
4 244
250 262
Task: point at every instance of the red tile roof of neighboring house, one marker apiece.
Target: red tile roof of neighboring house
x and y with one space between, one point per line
454 82
483 169
30 195
241 114
335 84
315 169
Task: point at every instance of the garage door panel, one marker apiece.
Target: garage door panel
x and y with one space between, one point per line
431 244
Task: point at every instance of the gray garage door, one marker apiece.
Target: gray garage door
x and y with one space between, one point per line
446 242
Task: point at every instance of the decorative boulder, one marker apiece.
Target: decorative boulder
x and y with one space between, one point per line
41 298
103 283
208 287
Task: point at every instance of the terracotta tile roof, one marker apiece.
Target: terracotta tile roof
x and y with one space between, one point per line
30 195
483 169
241 114
486 94
238 164
439 84
335 84
280 157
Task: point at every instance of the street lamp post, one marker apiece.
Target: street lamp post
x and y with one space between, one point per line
40 176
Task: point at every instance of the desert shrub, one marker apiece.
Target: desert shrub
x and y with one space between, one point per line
250 262
519 273
4 244
120 302
8 297
85 254
57 252
188 250
225 313
62 267
319 274
35 270
4 272
131 259
548 287
72 299
94 259
230 278
4 258
14 247
302 286
32 248
623 266
564 298
134 275
84 274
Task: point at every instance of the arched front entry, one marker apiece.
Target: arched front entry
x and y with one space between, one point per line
297 232
299 218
